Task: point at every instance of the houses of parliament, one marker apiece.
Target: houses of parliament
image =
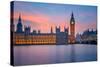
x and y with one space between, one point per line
25 36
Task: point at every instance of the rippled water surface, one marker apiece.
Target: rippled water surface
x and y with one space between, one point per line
47 54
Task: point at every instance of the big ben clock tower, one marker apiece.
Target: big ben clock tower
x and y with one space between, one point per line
72 29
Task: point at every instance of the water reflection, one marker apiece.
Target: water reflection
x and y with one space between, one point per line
72 55
47 54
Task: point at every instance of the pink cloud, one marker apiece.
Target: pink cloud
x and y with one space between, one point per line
43 22
33 18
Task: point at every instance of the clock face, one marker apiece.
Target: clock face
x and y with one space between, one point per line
72 22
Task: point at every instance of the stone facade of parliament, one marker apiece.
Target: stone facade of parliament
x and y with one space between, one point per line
38 38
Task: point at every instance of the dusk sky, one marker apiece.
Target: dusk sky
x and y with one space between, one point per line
41 16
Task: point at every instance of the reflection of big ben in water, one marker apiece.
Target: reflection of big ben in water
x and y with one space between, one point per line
72 29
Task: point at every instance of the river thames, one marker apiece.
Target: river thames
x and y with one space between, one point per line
48 54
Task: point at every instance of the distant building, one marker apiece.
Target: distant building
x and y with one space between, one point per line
25 36
88 37
78 38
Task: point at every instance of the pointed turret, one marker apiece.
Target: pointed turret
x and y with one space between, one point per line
72 18
19 25
51 30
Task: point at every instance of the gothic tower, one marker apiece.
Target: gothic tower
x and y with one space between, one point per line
57 29
19 25
51 30
72 29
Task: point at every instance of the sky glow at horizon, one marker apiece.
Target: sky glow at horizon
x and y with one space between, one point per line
43 16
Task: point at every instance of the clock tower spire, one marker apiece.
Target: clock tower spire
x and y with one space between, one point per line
72 29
